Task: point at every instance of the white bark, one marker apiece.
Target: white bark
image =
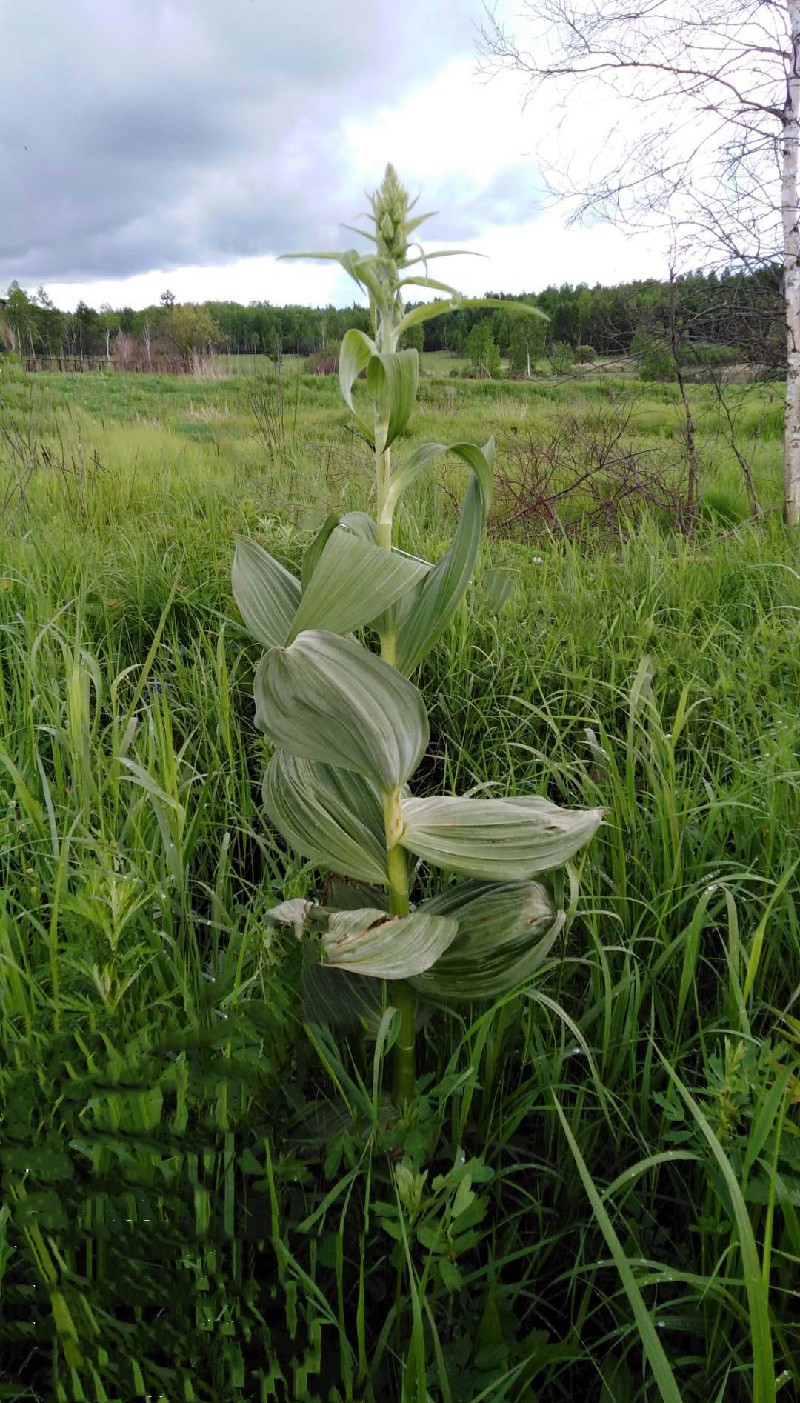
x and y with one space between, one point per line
790 216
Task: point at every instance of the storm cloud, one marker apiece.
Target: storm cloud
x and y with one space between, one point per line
140 134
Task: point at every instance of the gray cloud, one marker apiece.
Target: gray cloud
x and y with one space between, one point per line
511 197
137 134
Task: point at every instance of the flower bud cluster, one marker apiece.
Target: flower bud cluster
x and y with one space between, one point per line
390 212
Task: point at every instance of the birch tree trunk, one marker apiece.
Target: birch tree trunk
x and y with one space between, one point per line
790 216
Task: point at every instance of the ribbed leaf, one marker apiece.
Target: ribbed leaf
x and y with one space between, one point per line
336 998
478 460
361 524
267 595
504 933
392 379
436 599
498 839
328 698
433 283
427 310
353 582
331 816
313 552
366 269
355 353
370 943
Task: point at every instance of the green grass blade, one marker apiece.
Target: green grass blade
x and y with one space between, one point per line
662 1371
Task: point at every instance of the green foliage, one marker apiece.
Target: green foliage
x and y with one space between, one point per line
481 349
653 356
526 344
562 357
203 1198
191 329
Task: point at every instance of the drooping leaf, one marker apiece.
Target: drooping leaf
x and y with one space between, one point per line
328 698
362 524
355 353
366 269
354 581
433 283
370 943
478 460
313 552
266 593
505 932
428 310
362 268
499 839
435 600
392 380
333 817
443 253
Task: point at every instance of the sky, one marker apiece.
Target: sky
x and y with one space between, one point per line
184 144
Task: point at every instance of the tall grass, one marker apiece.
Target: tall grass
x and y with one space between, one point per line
595 1193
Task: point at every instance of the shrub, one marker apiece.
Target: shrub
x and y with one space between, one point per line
562 358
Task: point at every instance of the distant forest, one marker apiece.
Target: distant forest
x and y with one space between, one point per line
738 314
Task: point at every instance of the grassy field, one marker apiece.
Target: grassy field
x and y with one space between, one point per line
596 1192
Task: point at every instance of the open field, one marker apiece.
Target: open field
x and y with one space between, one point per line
600 1187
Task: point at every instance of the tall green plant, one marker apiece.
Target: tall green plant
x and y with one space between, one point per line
350 728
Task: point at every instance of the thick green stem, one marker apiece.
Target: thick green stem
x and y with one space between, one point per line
401 994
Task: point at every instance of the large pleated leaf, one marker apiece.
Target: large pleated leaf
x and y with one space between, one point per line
266 593
435 600
363 268
505 932
328 698
353 582
312 554
367 270
392 379
499 839
337 998
370 943
333 817
355 353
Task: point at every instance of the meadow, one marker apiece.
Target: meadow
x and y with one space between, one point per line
595 1192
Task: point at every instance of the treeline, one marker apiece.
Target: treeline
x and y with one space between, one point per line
31 325
736 310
